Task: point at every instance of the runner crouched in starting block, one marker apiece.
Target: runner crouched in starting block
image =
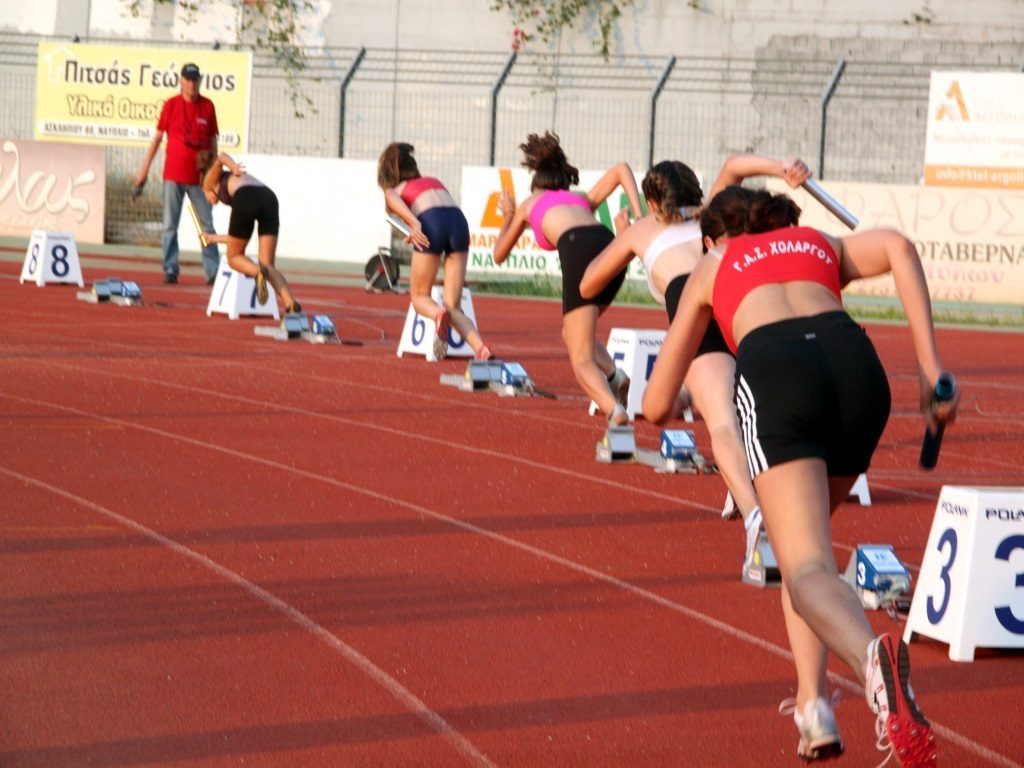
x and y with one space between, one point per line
251 201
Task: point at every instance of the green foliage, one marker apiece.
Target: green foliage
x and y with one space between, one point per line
546 18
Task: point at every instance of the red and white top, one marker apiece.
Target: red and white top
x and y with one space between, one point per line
780 256
415 187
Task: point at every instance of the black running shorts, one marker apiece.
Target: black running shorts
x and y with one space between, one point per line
811 387
250 204
576 249
713 340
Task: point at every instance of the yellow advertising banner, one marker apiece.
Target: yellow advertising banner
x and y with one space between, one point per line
112 95
971 241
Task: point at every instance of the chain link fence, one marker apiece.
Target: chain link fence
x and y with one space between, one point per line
850 118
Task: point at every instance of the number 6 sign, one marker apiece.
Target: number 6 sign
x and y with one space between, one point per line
52 257
970 593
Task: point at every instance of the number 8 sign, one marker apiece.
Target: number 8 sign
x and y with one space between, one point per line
970 593
52 257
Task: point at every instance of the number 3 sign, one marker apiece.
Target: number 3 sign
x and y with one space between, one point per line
970 593
52 257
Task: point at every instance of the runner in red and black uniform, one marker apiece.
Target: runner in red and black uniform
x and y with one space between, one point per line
813 400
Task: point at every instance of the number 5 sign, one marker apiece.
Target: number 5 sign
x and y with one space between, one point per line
635 351
970 593
52 257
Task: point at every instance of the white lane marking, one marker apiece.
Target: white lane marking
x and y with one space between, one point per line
728 629
433 720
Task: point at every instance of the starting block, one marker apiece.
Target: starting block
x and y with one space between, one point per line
879 577
125 293
763 570
618 446
508 379
296 326
678 453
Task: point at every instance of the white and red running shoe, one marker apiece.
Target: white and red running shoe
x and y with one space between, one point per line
819 736
902 731
442 323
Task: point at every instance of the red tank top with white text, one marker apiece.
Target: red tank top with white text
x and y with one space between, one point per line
780 256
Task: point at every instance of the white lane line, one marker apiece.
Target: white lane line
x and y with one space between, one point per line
433 720
728 629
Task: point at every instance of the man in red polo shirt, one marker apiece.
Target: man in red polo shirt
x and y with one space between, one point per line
190 122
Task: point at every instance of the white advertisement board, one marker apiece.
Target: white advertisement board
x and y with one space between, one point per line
971 241
480 189
331 209
975 135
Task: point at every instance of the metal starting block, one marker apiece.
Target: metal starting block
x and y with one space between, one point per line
506 378
879 577
763 569
678 453
113 289
618 446
296 326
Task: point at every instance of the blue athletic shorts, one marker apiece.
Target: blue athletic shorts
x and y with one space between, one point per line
446 229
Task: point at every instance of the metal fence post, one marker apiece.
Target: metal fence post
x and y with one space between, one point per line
826 97
344 89
654 107
494 101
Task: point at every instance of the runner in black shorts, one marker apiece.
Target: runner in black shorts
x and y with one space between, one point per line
253 204
557 214
813 401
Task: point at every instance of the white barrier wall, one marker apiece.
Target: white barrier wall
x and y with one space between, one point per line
331 209
971 241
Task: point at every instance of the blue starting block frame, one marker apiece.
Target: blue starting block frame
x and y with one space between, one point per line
677 454
297 326
124 293
879 577
508 379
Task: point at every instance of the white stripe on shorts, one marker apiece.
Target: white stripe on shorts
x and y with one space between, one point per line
756 461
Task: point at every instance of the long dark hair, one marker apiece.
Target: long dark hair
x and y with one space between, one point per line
672 185
544 156
737 210
396 165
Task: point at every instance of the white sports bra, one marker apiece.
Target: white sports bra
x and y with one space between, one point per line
669 237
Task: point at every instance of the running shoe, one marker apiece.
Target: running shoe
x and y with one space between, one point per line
618 417
442 324
819 736
619 383
484 353
902 731
262 293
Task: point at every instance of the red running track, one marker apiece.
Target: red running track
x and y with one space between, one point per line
219 549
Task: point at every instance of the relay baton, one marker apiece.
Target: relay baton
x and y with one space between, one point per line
834 206
398 224
199 227
945 388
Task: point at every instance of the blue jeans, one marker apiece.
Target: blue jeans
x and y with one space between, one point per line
174 197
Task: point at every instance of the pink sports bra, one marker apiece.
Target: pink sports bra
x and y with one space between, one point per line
549 199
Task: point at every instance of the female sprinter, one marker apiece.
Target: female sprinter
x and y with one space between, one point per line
668 241
565 220
813 400
437 230
251 201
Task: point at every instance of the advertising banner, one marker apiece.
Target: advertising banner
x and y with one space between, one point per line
480 189
331 209
56 187
975 130
971 241
112 95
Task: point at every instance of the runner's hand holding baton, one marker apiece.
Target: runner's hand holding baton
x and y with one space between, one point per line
415 238
941 409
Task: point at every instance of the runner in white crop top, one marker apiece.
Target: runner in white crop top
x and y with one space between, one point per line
671 236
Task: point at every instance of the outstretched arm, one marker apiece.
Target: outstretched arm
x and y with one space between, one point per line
620 175
880 251
513 222
612 260
147 161
680 345
740 167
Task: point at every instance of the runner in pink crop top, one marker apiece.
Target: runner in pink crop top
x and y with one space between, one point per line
780 256
548 200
